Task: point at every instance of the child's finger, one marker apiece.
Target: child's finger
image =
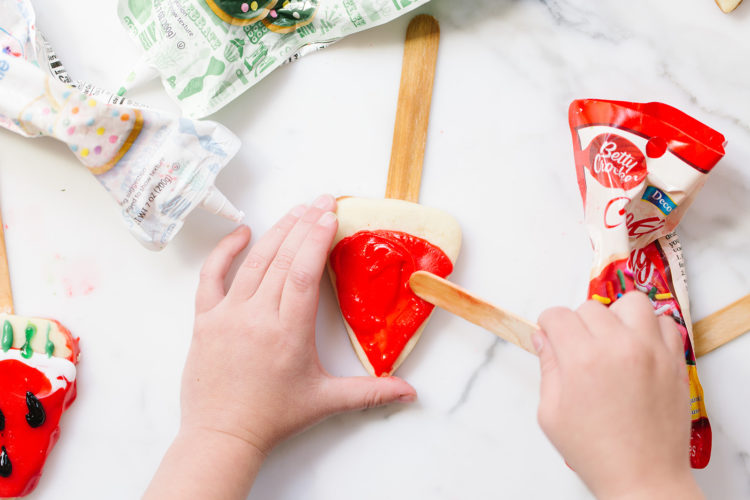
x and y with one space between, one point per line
566 333
273 281
359 393
254 267
599 320
672 337
549 388
211 285
299 297
635 311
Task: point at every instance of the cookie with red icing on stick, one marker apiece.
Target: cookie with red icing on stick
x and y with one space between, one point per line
381 243
728 6
38 359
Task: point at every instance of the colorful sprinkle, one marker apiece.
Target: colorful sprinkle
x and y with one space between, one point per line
90 123
71 130
619 295
245 7
66 94
652 293
254 5
603 300
84 152
125 117
74 110
92 103
663 296
621 277
112 139
115 113
74 148
610 291
82 97
100 131
663 309
295 15
274 14
98 150
45 111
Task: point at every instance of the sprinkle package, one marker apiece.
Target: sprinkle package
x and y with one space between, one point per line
208 52
639 168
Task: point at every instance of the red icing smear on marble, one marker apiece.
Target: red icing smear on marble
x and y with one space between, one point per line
26 447
372 271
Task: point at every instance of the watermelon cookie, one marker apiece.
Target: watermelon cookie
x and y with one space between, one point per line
378 246
241 12
38 360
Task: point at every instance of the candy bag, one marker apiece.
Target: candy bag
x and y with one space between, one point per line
639 167
210 51
156 165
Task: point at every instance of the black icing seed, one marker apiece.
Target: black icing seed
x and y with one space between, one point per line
5 466
36 415
2 421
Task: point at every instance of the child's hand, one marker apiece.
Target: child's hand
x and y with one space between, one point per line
253 377
253 370
615 398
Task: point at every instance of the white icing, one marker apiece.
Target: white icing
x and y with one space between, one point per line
60 372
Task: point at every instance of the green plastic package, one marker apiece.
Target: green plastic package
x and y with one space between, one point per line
208 52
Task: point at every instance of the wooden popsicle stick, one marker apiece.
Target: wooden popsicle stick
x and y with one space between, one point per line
724 325
455 299
6 294
413 111
711 332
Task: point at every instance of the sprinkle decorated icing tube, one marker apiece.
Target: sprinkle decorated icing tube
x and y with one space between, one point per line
156 165
639 167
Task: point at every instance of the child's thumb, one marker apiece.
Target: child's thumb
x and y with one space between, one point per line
359 393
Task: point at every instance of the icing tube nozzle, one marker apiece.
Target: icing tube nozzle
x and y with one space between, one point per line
216 203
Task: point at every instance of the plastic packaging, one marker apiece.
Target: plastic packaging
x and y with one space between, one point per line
639 167
210 51
156 165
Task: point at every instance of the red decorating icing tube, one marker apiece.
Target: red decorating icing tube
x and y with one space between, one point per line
639 167
37 387
372 282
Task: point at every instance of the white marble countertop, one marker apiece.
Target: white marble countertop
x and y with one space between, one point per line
499 157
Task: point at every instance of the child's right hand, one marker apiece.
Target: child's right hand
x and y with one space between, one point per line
615 399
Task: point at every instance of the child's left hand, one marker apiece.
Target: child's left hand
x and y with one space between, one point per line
253 377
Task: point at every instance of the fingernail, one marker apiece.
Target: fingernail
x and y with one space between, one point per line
323 201
407 398
299 210
327 219
538 341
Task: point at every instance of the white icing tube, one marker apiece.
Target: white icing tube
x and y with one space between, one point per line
156 165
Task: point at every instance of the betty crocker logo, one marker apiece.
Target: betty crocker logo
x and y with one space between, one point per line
616 162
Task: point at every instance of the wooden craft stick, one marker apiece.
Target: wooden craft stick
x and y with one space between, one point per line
722 326
6 294
413 112
711 332
455 299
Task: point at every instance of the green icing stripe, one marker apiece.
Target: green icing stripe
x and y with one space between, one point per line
26 350
49 347
6 342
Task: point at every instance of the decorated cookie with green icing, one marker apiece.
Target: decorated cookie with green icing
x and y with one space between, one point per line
241 12
287 15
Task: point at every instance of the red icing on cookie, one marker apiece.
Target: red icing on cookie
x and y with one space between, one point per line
24 441
372 272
